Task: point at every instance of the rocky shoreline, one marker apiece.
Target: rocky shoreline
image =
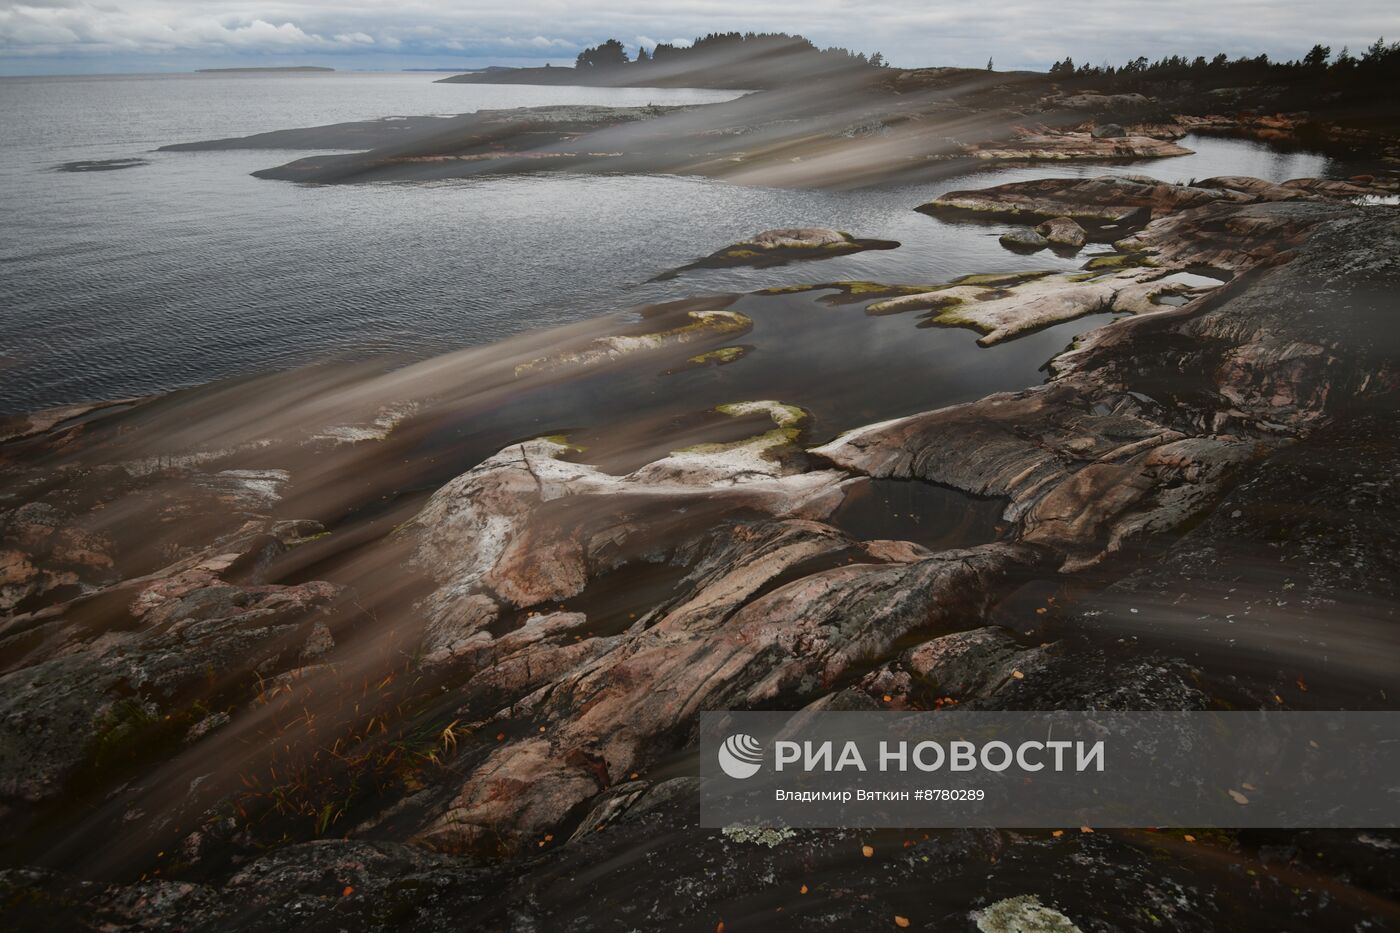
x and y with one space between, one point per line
344 648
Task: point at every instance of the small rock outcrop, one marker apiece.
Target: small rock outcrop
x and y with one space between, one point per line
1013 308
1102 103
1071 146
1097 201
776 247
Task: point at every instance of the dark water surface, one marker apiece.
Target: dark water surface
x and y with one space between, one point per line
185 269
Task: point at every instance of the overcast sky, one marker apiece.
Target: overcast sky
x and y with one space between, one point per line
81 36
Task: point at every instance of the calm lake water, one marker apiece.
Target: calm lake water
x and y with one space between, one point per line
187 270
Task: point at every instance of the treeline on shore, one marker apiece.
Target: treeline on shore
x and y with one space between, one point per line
1379 61
613 54
1353 90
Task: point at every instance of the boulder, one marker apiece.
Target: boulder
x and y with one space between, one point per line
1063 231
1108 131
1023 241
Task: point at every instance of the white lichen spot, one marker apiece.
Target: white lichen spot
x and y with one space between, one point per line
1023 914
758 835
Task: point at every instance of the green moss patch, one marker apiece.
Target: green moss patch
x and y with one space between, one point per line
1002 279
1118 261
130 736
718 357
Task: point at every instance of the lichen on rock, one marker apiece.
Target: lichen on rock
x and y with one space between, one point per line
1022 914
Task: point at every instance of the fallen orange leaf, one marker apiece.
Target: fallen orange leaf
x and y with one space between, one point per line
901 922
348 891
867 851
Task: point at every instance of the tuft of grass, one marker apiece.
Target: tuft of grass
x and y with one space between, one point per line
328 768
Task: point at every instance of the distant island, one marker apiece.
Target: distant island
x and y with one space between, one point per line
263 69
746 61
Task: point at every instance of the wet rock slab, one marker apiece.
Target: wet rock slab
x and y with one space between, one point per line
778 247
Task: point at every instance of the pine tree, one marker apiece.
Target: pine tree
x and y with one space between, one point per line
1317 57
